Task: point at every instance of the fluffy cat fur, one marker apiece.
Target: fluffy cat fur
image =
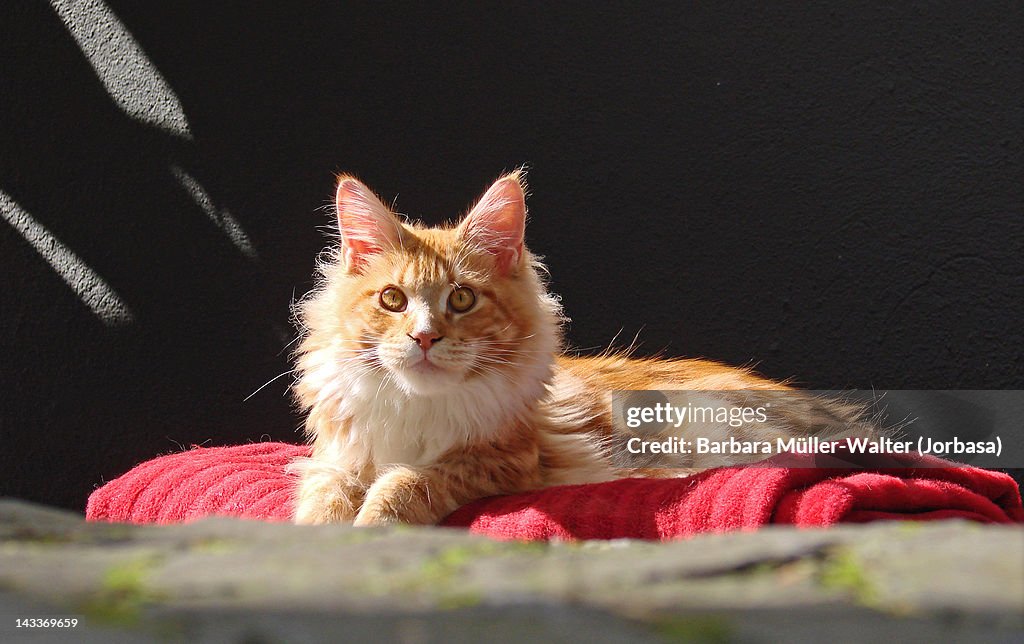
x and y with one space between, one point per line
414 412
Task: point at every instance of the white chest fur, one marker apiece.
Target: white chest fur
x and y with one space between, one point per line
389 425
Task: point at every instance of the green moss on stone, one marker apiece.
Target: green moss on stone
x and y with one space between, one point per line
123 593
709 629
842 571
441 576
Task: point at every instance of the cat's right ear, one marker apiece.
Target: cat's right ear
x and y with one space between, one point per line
366 225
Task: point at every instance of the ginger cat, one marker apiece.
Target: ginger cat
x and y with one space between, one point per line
431 372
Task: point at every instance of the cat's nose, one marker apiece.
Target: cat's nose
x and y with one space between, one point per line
426 339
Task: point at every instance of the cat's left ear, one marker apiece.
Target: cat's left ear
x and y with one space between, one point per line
497 223
366 225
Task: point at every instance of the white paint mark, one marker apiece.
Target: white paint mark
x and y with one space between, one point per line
91 289
122 66
221 217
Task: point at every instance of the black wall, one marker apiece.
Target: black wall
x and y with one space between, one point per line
833 194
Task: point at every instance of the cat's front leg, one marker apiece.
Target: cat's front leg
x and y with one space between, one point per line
327 494
424 496
406 495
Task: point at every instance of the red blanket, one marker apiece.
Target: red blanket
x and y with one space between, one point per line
249 481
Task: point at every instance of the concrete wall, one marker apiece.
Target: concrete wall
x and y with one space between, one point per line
832 193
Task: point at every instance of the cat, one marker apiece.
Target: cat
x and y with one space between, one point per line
431 373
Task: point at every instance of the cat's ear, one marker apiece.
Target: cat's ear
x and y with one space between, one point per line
497 223
366 225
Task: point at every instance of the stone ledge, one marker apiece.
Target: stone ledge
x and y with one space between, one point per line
228 579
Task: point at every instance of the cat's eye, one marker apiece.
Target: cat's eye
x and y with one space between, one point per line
393 299
462 299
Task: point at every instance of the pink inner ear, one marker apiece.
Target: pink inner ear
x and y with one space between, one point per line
498 222
366 225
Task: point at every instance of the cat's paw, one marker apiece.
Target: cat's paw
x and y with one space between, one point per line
398 496
326 499
321 511
370 517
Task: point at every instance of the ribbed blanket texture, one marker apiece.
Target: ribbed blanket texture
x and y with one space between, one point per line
250 481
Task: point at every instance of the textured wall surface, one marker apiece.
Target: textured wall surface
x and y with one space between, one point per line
833 194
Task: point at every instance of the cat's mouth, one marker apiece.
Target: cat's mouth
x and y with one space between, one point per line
427 376
426 366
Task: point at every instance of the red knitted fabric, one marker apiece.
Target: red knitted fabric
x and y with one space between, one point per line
249 481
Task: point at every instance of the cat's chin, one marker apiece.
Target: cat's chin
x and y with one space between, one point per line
427 379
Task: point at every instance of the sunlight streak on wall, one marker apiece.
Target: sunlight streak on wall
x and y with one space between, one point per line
91 289
130 78
221 217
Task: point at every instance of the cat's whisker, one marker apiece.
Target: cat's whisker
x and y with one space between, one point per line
293 341
485 370
506 340
261 387
493 371
380 387
502 330
495 365
513 350
511 353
